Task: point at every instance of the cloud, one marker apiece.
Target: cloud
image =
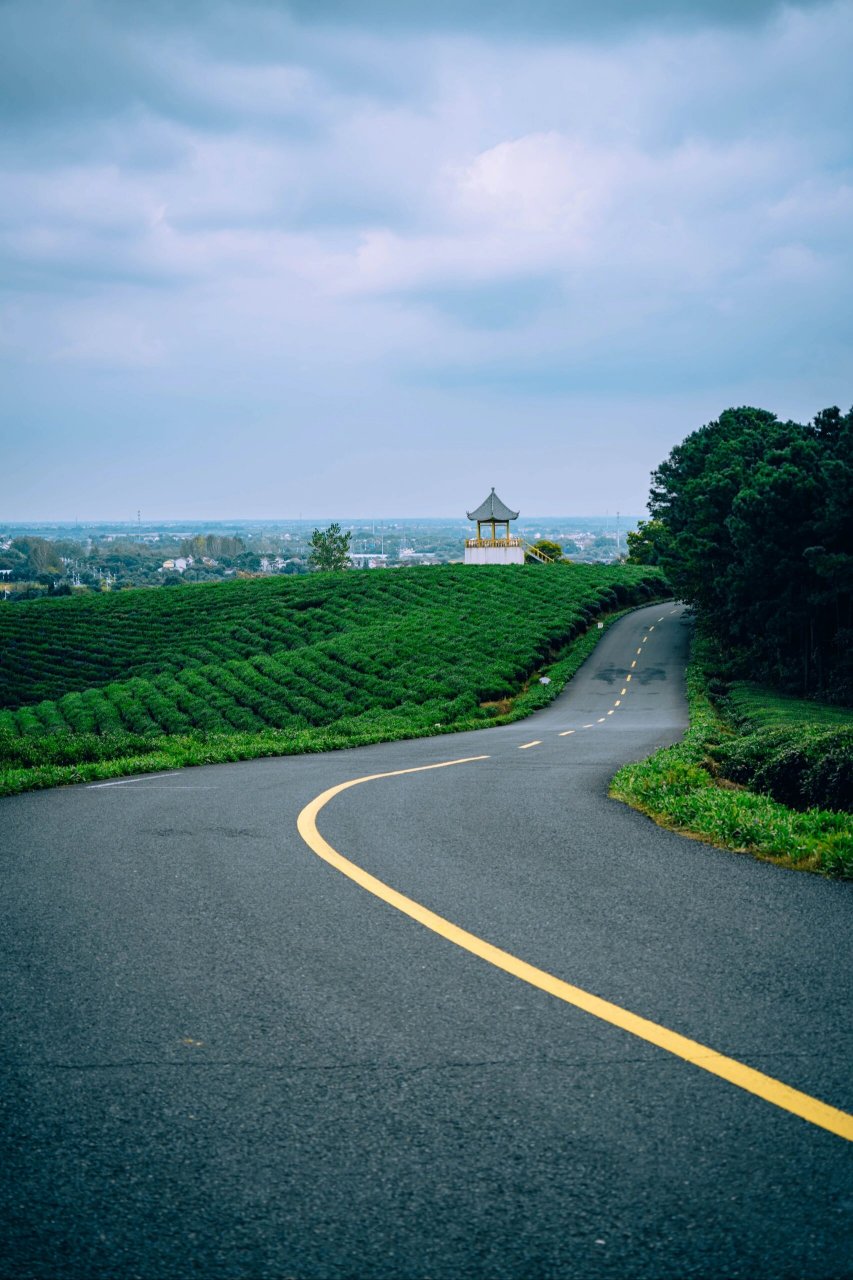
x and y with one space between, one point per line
267 211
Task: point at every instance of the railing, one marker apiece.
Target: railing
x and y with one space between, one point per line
530 550
493 542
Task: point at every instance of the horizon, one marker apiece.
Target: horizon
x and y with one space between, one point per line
274 520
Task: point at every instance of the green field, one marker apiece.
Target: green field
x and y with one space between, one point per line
149 678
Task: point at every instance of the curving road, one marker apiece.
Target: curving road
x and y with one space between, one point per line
224 1058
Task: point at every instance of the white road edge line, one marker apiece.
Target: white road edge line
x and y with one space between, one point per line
123 782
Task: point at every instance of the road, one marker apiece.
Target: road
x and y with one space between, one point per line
222 1057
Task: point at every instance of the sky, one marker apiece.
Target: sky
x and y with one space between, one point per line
341 259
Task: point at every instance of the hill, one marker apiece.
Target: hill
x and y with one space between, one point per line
262 666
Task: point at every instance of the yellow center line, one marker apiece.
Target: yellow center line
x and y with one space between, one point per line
618 701
565 733
537 742
737 1073
624 691
627 678
610 713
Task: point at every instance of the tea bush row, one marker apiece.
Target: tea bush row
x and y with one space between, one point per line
426 648
55 647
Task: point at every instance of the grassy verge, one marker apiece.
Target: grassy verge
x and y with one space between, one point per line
682 787
105 756
762 708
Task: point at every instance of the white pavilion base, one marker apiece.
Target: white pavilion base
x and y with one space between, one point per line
494 554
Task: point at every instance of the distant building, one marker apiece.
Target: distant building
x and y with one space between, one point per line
369 559
493 544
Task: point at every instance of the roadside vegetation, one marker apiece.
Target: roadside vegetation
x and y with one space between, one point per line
752 524
143 681
781 791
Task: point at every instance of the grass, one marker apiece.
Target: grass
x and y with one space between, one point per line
684 787
240 670
764 708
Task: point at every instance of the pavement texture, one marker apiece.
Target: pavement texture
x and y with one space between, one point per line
222 1058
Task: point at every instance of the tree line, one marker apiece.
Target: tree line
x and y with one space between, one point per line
752 521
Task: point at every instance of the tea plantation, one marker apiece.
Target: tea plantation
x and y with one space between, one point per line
273 666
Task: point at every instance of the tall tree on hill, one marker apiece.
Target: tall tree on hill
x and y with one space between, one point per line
329 548
758 537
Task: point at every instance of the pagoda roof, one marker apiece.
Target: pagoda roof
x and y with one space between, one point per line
493 509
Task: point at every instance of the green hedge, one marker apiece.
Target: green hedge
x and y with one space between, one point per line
685 788
801 766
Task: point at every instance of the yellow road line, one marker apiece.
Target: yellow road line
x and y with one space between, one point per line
565 733
610 713
618 701
536 743
627 678
737 1073
624 691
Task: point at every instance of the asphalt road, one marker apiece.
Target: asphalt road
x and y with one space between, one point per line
223 1058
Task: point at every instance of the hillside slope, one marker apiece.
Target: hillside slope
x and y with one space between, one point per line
421 646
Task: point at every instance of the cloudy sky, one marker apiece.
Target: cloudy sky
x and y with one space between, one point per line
346 259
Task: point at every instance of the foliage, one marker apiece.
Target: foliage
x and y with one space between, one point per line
799 752
552 550
759 538
801 767
213 545
647 543
682 787
329 548
276 665
751 706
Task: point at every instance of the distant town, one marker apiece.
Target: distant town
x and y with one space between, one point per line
62 558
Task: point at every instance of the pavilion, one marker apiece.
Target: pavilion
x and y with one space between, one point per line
488 547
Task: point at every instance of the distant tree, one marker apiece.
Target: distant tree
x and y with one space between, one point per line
41 555
329 548
552 550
